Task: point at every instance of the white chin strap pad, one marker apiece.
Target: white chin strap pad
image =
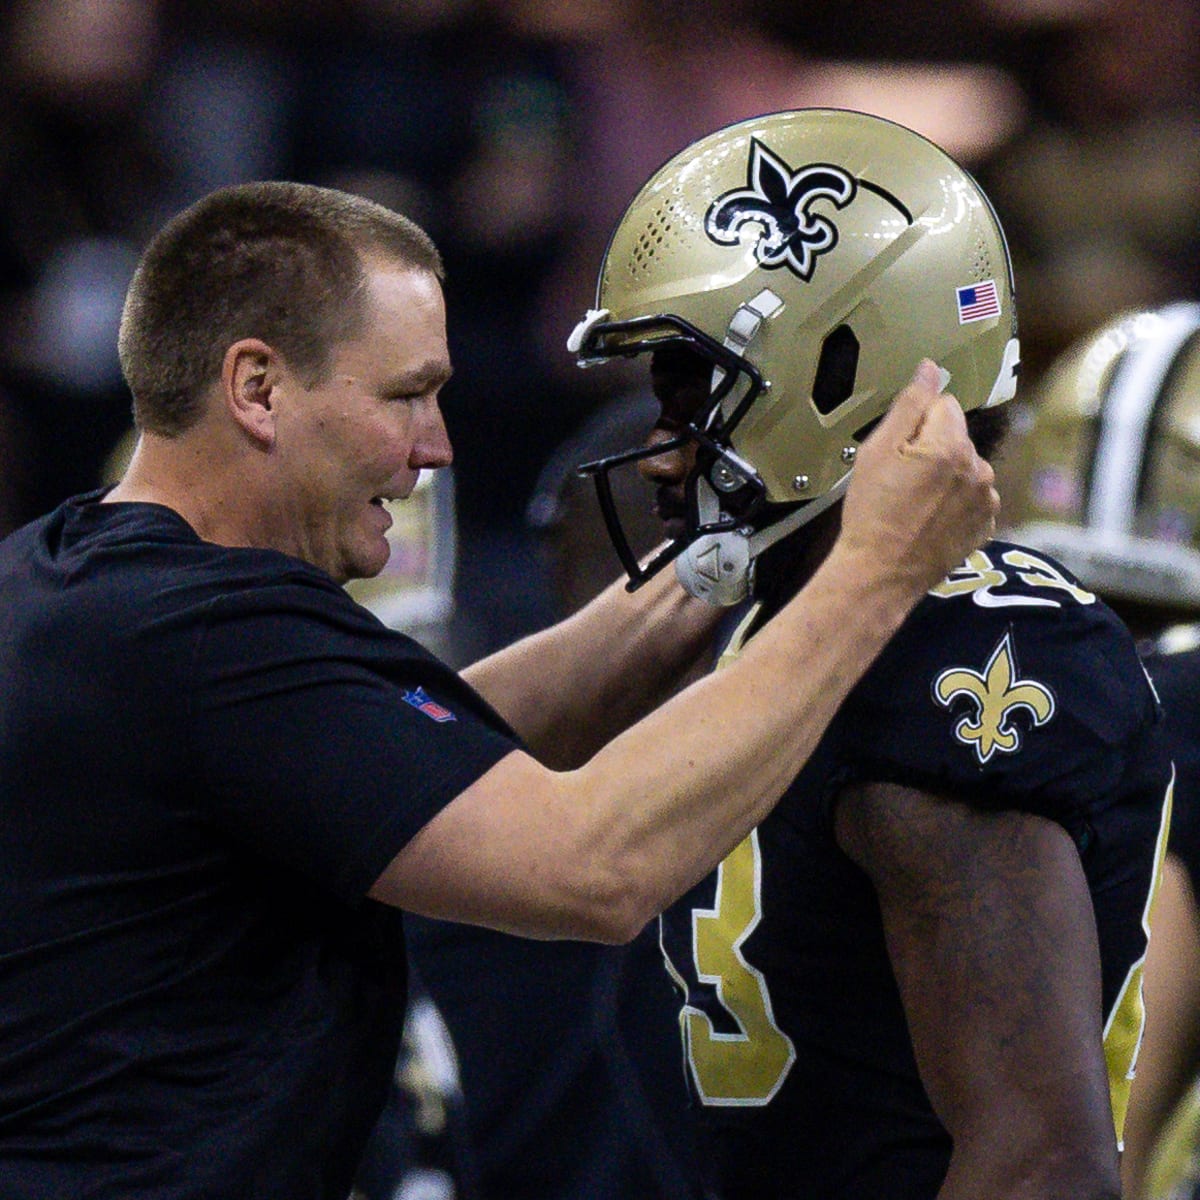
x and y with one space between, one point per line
716 568
719 567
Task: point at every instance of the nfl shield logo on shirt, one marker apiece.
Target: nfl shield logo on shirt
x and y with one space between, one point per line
431 708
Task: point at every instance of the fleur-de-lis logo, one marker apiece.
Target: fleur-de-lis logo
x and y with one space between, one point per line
779 200
995 695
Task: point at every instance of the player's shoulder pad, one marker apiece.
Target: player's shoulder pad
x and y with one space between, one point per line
1009 657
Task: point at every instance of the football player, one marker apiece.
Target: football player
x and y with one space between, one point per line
1103 475
920 976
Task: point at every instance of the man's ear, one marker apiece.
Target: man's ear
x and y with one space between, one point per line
250 376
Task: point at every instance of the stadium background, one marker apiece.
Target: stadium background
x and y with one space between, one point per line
516 131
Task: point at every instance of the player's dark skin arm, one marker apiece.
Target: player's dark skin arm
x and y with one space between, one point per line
992 938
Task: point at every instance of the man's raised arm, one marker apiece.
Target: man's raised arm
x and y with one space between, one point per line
597 851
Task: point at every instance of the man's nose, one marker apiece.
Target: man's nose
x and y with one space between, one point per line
431 447
670 466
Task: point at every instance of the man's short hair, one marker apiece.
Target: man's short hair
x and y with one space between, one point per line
283 262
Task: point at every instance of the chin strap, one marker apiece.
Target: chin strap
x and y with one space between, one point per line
719 567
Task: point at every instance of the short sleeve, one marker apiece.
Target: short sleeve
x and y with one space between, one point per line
325 741
1031 697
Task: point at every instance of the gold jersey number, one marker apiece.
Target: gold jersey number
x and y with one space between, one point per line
748 1066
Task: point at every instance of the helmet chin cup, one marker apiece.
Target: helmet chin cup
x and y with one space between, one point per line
717 568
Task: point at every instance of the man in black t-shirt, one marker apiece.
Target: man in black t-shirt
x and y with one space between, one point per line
221 779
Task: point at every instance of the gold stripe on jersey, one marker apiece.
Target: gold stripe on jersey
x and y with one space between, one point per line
1123 1029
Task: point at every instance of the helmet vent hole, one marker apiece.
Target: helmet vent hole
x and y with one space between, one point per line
983 260
656 239
837 368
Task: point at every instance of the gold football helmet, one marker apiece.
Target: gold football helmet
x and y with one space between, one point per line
1104 471
814 257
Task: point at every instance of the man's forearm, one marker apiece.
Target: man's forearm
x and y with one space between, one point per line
569 689
704 770
596 852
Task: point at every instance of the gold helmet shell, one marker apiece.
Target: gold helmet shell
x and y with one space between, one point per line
1104 469
816 256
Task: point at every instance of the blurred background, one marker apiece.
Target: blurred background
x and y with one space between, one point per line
515 131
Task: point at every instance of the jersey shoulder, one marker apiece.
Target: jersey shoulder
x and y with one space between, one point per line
1009 673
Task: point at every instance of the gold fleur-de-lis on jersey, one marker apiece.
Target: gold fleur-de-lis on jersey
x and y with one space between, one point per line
994 695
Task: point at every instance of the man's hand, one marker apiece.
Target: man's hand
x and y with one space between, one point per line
921 498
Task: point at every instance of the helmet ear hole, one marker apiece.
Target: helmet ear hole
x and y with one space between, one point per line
837 368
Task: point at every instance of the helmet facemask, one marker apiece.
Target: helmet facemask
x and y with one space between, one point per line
729 518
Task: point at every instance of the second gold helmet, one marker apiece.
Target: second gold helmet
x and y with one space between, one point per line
1104 472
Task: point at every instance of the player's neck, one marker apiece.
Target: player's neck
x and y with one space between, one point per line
787 566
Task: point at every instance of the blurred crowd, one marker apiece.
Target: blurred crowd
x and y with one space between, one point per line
516 131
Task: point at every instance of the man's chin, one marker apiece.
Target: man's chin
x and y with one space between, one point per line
368 561
674 527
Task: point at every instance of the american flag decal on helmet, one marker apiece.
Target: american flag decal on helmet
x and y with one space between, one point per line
977 301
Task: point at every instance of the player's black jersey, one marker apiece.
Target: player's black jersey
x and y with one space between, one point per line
1174 665
1009 687
1176 675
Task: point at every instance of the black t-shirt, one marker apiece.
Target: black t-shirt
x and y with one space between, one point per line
207 756
1009 686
